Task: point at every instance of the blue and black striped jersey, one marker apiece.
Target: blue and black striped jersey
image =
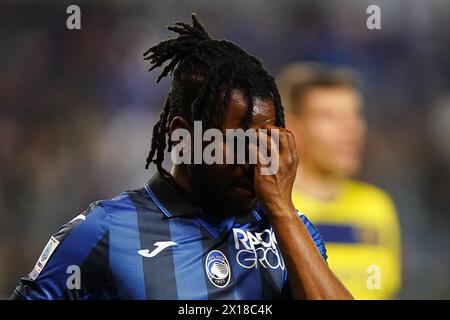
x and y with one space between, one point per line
154 243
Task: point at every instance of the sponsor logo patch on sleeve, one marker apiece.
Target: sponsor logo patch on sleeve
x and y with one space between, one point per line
52 244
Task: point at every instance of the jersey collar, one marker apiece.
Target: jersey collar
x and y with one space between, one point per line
175 203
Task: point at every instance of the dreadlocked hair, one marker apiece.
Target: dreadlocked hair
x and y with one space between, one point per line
205 71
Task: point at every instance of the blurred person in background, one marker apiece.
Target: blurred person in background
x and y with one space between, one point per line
358 221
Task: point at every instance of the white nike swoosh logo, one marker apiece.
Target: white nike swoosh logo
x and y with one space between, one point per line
160 246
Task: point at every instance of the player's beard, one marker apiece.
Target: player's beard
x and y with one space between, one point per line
212 193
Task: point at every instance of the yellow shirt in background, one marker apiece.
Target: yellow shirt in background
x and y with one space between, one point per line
361 232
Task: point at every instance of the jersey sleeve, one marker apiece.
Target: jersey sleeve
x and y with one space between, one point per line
389 251
315 235
320 245
73 264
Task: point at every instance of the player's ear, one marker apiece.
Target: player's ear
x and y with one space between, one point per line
180 138
179 128
179 123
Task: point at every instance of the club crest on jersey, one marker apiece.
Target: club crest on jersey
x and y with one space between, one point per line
218 269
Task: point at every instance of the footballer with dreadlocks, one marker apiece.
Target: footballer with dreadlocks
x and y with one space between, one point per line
201 230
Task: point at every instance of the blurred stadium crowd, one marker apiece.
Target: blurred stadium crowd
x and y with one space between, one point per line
77 108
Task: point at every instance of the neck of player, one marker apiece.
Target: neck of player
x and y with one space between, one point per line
317 184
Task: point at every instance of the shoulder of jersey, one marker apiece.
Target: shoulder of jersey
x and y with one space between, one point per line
128 201
367 192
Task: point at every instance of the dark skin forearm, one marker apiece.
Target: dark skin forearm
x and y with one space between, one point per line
309 275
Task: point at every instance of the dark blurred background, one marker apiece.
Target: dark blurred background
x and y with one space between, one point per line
77 108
